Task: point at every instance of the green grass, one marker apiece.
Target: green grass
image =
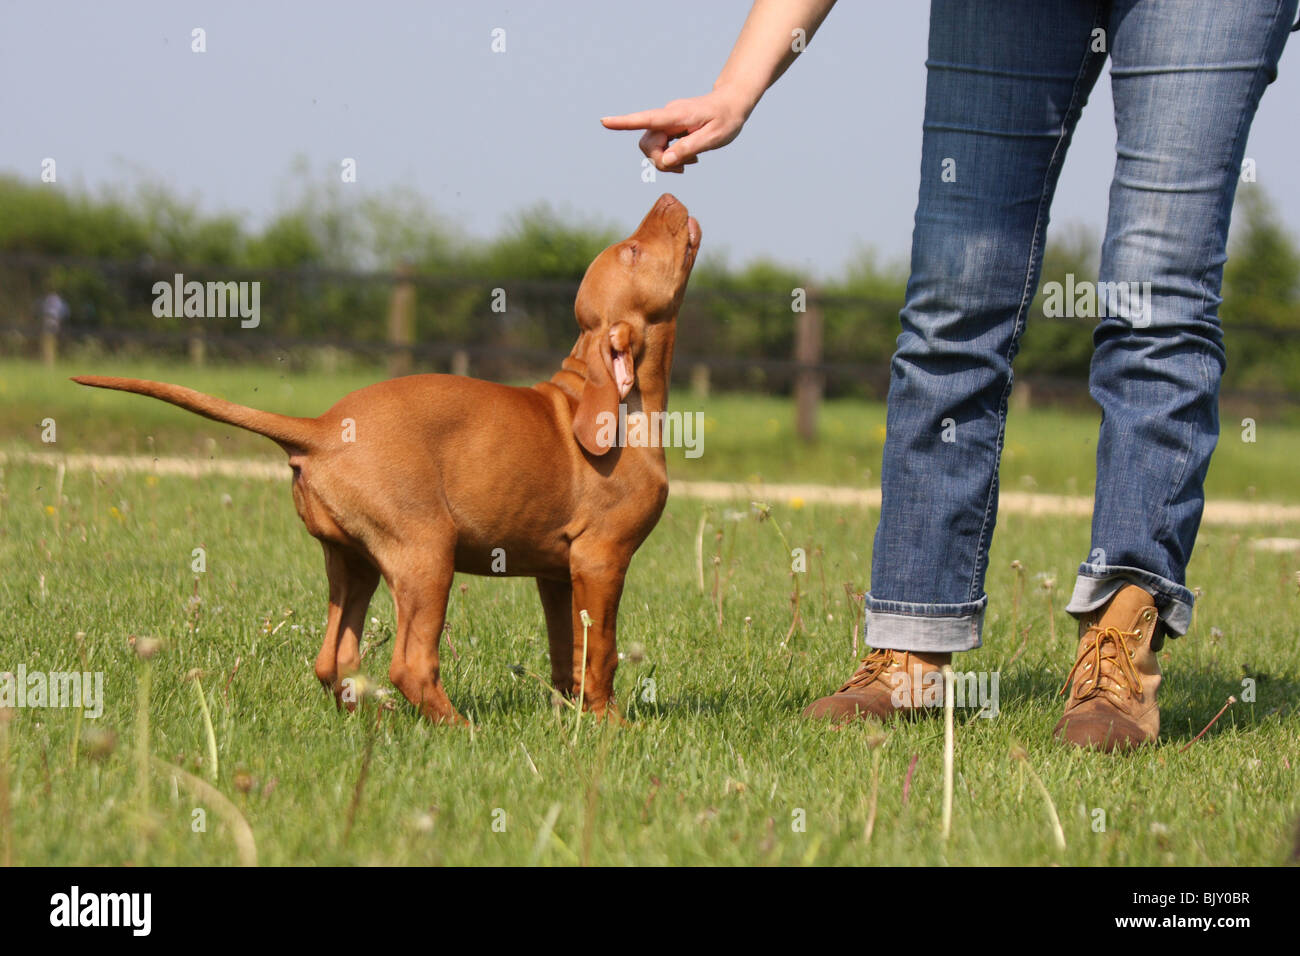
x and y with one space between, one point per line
747 437
715 771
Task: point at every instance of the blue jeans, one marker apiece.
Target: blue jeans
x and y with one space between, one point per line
1007 82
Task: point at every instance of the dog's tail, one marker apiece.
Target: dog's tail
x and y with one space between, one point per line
294 435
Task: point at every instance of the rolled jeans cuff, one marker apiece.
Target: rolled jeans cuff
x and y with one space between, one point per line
1098 583
928 628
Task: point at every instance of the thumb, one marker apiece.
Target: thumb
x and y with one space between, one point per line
688 147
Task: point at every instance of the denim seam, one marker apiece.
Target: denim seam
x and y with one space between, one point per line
1072 114
1256 94
1162 586
926 609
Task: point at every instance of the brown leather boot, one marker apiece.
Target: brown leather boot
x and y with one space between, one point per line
888 684
1112 703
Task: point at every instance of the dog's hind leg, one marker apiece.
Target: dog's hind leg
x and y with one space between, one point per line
352 582
420 591
557 605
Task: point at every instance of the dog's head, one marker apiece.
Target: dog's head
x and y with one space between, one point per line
627 308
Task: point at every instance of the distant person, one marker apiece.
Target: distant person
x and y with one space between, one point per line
1007 80
54 312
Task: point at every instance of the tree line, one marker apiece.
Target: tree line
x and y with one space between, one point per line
326 263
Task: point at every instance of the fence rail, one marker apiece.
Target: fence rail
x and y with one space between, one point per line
412 321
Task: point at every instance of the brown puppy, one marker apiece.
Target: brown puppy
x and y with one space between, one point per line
418 477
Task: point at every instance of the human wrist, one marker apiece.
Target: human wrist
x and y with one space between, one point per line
738 94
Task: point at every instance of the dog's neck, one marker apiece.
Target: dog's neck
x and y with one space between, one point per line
650 392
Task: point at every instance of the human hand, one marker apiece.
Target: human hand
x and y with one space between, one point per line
676 134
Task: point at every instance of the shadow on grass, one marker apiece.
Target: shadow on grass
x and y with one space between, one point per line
1190 695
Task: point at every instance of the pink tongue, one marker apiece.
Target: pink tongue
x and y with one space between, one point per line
623 374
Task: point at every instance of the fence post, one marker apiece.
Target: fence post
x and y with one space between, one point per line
700 380
1021 396
401 321
808 382
198 346
49 347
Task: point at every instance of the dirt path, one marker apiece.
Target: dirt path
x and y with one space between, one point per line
1010 502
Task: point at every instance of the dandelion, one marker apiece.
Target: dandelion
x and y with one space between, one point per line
948 698
1213 720
1020 589
1019 753
587 623
359 688
144 647
99 742
194 675
1048 583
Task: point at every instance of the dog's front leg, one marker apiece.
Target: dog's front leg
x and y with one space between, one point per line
597 588
557 605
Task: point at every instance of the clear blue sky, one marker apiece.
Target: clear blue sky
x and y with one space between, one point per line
826 165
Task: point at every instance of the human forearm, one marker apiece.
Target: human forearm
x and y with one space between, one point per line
768 43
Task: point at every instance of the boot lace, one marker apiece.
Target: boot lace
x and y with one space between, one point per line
871 667
1108 643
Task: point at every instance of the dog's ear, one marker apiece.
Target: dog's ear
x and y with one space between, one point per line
596 417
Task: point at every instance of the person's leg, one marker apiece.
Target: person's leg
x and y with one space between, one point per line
1007 80
1187 78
